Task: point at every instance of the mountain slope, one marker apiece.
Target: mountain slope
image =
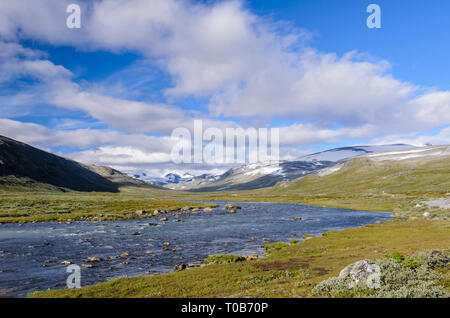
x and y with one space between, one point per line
117 177
25 165
421 171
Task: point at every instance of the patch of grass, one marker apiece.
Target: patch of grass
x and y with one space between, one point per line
76 206
271 247
224 259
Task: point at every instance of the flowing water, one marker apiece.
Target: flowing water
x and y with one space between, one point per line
31 254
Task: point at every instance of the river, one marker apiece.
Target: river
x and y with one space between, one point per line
31 254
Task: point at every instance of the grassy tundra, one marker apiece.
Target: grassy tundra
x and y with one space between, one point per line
295 270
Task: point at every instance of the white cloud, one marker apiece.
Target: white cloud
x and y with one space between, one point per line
41 136
442 137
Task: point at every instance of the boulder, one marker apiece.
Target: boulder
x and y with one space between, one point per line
208 209
179 267
140 212
123 255
252 257
94 259
164 219
232 207
359 271
296 218
156 212
65 263
195 265
186 208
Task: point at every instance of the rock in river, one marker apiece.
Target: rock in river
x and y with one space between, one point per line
179 267
140 212
232 207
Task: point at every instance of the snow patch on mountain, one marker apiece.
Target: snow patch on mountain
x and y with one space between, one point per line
262 169
426 153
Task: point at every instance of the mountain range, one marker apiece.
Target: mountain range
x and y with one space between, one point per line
25 166
262 175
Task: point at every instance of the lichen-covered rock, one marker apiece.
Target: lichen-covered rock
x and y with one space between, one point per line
359 271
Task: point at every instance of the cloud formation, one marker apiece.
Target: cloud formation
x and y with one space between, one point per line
248 69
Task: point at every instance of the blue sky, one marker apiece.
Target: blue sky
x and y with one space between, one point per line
111 92
414 36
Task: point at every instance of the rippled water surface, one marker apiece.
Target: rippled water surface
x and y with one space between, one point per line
31 254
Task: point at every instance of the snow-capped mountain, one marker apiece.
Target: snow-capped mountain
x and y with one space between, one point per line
172 179
267 174
257 175
416 154
351 152
193 181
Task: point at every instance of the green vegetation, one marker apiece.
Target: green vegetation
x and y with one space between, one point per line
419 276
224 259
75 206
269 248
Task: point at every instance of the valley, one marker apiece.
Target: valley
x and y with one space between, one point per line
406 182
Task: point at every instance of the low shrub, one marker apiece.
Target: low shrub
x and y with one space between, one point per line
223 259
402 276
